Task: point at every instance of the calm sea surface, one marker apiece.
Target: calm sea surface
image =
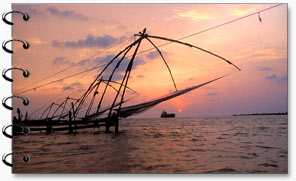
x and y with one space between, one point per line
246 144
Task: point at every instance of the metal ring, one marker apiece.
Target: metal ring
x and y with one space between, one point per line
26 73
26 158
26 45
26 16
25 130
25 101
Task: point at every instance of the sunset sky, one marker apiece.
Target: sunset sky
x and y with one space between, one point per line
61 35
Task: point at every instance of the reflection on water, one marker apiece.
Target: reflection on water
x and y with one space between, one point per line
247 144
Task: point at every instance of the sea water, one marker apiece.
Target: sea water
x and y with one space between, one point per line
228 144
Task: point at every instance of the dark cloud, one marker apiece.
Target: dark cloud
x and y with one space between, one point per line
37 12
90 41
33 12
67 14
68 88
124 63
61 61
271 77
276 78
265 69
212 94
140 76
56 43
83 62
60 81
153 55
70 14
76 86
120 70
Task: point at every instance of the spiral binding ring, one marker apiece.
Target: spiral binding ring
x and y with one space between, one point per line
26 73
25 101
25 129
26 158
26 16
26 45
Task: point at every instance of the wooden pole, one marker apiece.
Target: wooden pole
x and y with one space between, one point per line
192 46
93 99
164 61
75 125
49 126
111 75
125 79
83 97
107 126
116 122
70 123
64 107
19 117
129 69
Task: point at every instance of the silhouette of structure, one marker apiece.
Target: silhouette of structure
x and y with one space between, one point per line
71 120
164 114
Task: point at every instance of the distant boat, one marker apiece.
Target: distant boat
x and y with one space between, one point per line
164 114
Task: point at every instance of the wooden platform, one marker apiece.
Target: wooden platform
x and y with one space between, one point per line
64 125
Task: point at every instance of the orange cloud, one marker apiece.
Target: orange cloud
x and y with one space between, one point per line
35 40
243 10
194 14
261 54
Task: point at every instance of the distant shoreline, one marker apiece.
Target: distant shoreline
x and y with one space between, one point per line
261 114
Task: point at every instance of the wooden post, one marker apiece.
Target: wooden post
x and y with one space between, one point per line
19 116
70 123
75 125
127 75
49 127
116 125
107 125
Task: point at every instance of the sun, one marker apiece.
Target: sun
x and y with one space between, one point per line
180 110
